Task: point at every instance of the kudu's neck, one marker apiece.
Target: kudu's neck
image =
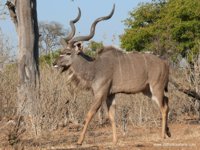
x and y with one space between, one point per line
83 67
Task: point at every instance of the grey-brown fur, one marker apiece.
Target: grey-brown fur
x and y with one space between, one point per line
115 71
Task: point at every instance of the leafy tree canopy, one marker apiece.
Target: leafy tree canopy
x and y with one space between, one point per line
92 48
93 45
166 27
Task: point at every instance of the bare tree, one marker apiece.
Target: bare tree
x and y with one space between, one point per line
24 16
49 36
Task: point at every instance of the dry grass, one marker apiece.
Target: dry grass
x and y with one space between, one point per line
8 92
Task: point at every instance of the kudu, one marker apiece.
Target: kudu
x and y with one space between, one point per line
112 72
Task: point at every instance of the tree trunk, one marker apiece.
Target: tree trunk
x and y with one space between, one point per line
24 16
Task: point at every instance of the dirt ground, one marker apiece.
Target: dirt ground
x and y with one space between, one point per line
184 136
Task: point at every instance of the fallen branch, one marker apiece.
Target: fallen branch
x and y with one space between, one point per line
189 92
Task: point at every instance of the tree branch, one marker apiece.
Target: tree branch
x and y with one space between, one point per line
11 8
189 92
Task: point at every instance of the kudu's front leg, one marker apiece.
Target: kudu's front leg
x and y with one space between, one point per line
99 98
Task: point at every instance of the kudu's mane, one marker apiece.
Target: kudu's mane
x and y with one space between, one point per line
119 52
88 58
109 48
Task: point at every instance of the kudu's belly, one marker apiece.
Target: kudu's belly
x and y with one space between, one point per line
129 80
129 87
130 74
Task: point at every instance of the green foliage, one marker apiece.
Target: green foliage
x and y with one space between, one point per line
164 27
93 47
90 53
49 58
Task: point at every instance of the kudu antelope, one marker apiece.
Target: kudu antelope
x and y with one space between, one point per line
112 72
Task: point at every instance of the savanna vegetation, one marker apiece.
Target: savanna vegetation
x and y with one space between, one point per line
168 28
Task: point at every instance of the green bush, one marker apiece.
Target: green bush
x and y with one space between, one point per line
165 27
49 59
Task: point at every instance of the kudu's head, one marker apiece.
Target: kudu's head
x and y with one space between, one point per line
73 46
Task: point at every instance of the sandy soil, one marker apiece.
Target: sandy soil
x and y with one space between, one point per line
185 136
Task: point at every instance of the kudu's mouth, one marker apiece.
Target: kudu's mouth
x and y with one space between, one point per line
55 66
64 68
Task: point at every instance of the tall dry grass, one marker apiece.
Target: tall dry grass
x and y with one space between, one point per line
8 91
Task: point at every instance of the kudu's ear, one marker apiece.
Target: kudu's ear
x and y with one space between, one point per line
78 47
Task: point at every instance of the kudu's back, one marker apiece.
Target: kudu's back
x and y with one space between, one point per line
132 72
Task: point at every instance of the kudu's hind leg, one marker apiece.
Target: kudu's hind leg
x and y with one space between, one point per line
165 111
111 112
162 102
164 108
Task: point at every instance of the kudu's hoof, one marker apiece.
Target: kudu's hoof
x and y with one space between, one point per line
79 143
168 134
